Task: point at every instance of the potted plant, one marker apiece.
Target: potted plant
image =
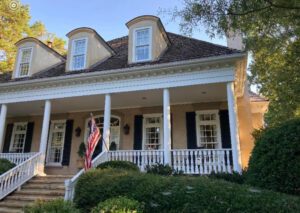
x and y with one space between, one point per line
81 153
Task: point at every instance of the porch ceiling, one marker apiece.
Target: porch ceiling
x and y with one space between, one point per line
180 95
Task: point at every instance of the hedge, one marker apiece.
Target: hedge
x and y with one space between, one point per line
5 165
53 206
118 165
178 194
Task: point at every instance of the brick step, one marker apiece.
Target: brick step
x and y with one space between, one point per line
10 210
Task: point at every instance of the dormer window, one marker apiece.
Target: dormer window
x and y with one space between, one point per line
79 49
142 44
24 62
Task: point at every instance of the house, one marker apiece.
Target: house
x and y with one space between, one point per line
156 96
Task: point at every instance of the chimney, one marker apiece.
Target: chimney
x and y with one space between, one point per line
235 40
49 44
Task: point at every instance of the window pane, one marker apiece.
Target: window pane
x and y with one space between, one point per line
142 53
25 56
57 143
79 48
24 62
142 37
78 62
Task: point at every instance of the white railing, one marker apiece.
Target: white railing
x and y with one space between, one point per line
70 183
202 161
141 158
17 158
17 176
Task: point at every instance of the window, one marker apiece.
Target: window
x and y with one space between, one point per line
78 59
56 142
142 47
18 138
208 129
152 132
114 129
24 62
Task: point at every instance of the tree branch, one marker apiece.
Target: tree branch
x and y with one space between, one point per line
282 6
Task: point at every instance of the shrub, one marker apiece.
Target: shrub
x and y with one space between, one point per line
178 194
118 205
5 165
234 177
118 165
275 160
160 169
58 205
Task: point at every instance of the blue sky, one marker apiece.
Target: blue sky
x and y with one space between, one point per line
107 17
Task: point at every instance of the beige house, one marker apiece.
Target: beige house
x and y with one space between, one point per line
157 97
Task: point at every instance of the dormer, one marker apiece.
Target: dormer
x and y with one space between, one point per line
147 39
85 49
34 56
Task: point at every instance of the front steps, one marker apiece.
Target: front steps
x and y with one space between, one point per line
38 188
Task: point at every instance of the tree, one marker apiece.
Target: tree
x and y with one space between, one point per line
14 25
270 30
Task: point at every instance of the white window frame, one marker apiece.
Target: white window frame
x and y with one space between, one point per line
72 53
17 132
153 115
216 122
50 140
17 75
134 44
86 132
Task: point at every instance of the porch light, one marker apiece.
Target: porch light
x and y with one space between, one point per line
78 132
126 129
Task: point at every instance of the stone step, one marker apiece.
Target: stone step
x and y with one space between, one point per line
29 192
54 177
10 210
47 181
14 204
43 186
32 197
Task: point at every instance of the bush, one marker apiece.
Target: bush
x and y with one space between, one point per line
118 165
178 194
275 160
58 205
160 169
234 177
5 165
118 205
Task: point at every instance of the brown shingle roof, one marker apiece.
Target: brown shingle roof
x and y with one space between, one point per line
181 48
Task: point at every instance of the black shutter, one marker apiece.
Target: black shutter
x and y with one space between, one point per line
68 143
225 129
191 130
29 135
8 134
138 132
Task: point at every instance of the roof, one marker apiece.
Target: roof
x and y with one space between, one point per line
256 98
182 48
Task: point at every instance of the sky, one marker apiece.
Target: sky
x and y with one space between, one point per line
107 17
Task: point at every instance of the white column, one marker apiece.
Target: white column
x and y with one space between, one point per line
106 125
167 126
235 145
45 128
3 114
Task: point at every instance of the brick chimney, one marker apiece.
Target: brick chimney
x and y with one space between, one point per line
49 44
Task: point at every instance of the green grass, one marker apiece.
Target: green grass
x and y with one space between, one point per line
178 194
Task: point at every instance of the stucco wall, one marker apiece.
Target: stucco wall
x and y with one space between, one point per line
41 58
158 42
127 117
95 50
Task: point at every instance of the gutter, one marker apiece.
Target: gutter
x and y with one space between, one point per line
127 70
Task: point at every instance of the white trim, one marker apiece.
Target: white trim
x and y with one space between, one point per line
50 140
217 123
134 44
71 68
102 85
153 115
13 135
20 53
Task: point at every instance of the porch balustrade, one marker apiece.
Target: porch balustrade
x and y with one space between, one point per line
17 158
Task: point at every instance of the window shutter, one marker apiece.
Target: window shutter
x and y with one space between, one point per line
191 130
8 134
138 132
225 129
29 135
68 143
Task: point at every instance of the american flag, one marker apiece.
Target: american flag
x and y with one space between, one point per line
91 143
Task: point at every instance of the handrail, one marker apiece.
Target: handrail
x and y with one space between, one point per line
17 176
70 183
17 158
